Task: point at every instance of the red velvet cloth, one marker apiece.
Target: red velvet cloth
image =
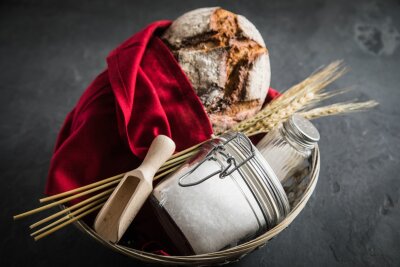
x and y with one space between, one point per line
143 93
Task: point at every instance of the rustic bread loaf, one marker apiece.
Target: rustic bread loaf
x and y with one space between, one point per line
226 61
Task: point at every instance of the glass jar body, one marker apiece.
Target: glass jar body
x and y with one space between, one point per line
284 155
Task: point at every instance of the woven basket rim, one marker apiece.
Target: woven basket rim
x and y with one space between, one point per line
224 256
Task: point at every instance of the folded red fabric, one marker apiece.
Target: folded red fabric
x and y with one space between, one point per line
143 93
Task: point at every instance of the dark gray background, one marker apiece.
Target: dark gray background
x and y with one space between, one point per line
50 51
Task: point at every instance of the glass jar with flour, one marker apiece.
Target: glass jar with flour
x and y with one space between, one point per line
228 193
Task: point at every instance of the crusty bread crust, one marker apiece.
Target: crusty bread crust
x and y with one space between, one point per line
225 58
189 25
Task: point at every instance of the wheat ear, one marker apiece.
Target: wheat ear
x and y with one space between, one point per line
304 94
337 109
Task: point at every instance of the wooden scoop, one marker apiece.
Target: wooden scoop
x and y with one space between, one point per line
132 191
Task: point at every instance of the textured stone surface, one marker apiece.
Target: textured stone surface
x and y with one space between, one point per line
51 51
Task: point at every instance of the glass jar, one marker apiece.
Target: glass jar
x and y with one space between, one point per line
288 147
230 192
225 195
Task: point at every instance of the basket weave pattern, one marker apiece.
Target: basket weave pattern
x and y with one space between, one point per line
299 193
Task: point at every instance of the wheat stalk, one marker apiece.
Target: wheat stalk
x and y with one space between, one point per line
304 94
338 108
271 122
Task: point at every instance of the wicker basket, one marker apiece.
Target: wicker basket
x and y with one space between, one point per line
299 192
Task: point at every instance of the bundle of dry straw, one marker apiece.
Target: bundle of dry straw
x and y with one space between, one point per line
301 98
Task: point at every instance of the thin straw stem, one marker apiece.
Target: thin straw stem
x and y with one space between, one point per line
67 222
83 214
172 164
116 180
69 216
174 160
73 207
166 172
185 156
80 189
187 150
56 203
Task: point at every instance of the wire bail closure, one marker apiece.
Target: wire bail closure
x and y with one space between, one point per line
231 163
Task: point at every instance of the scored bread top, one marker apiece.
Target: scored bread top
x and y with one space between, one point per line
200 21
225 58
190 24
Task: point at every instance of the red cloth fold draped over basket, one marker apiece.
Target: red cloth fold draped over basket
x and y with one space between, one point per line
143 93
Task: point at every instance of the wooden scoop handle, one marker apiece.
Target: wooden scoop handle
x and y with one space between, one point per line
161 149
132 191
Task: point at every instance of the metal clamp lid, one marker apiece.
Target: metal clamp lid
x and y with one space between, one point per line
231 163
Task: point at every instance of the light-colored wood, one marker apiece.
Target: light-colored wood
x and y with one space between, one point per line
85 203
88 201
125 202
